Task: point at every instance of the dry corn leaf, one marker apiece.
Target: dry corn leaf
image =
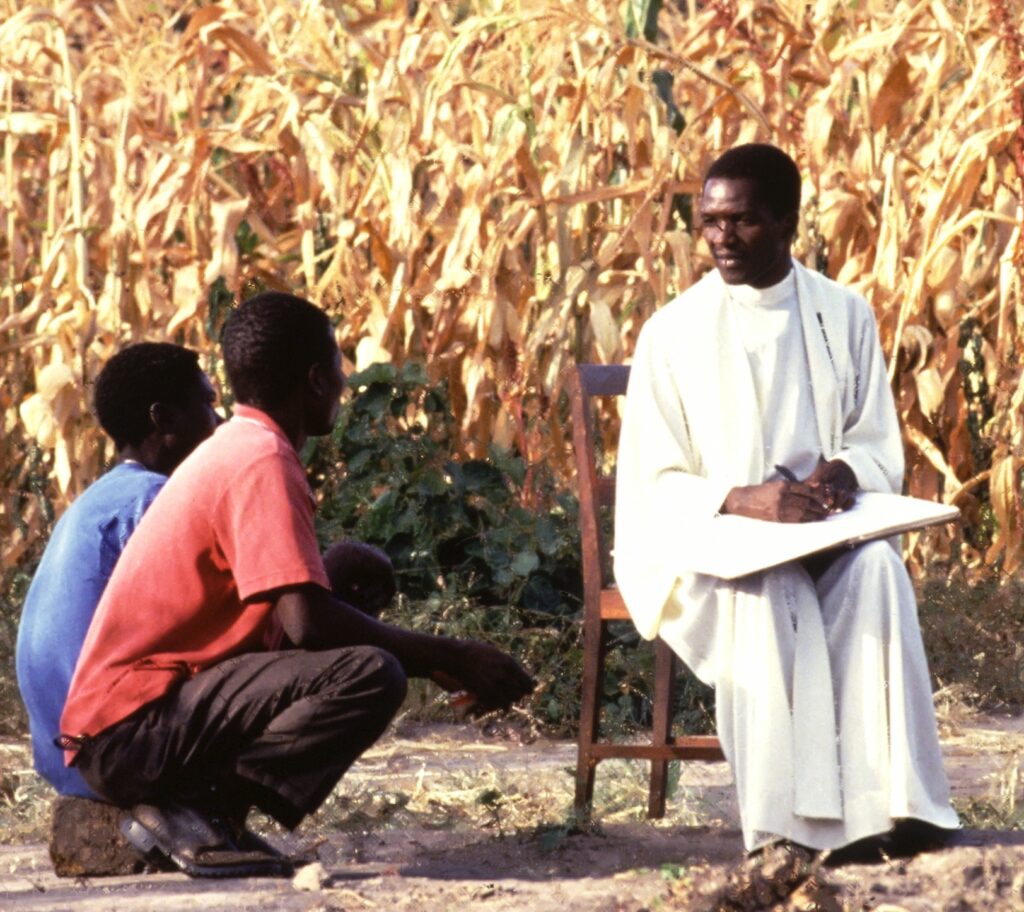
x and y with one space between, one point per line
459 186
893 93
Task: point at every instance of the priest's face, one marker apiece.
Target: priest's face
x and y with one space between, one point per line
749 243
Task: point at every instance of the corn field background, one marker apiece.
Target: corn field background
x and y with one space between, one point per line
501 189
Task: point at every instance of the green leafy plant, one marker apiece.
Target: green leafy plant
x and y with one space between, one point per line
484 528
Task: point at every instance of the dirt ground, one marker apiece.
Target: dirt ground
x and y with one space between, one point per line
448 817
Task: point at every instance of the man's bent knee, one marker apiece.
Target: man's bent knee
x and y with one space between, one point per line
870 557
380 673
880 549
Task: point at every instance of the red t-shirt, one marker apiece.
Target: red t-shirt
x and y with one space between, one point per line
235 520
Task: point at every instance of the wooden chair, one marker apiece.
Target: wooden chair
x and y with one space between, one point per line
602 603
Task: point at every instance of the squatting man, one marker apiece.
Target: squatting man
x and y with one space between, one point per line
220 672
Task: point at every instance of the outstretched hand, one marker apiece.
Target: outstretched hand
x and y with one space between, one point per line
492 679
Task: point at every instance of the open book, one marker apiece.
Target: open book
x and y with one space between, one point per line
730 546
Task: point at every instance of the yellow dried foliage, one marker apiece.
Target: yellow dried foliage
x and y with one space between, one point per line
492 186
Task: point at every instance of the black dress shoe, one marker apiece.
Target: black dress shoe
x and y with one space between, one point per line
869 850
910 837
907 838
199 845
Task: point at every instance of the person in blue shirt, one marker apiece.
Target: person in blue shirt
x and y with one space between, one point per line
156 403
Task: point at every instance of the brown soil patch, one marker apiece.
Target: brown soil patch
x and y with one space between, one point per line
444 818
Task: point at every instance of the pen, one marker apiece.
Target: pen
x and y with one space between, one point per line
786 473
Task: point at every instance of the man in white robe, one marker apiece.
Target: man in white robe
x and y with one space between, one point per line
763 372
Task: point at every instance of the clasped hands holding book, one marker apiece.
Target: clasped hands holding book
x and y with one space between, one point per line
830 488
731 546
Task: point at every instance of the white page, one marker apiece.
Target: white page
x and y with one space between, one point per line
730 546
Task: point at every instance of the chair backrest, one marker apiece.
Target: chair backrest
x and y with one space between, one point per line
596 490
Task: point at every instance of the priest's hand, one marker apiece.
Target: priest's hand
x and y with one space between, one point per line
837 483
779 501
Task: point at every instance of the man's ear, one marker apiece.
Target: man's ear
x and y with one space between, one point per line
316 380
163 417
790 222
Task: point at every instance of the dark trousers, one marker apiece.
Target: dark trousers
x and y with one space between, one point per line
274 729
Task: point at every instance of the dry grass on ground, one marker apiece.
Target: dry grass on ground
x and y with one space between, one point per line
465 777
446 816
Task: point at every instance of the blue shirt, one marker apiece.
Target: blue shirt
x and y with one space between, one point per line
77 562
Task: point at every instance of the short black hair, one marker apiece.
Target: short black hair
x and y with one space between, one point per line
775 174
137 377
361 575
270 342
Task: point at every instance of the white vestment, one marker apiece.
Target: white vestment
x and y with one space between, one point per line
823 698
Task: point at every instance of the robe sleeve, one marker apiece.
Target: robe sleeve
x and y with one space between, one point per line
871 443
660 489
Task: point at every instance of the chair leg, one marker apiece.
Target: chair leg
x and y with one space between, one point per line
594 646
661 734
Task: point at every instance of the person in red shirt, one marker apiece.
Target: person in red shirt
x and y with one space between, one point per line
179 708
